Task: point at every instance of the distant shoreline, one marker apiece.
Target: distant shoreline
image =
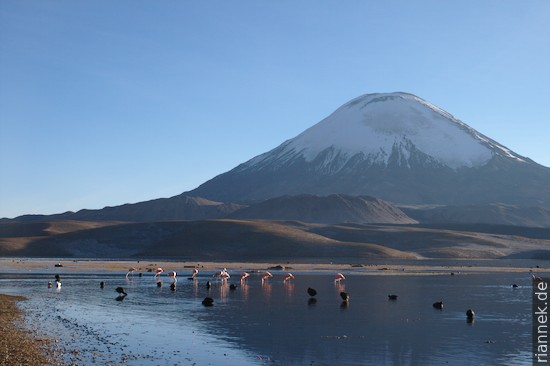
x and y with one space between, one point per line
389 267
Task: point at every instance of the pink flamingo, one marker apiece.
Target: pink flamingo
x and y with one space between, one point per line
339 277
289 276
244 276
266 276
158 271
225 275
536 278
130 271
195 273
173 275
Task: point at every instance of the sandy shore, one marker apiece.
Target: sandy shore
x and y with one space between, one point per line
407 268
18 346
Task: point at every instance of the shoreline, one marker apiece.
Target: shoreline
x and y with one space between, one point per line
19 346
31 265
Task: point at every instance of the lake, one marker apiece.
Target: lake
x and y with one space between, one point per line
277 323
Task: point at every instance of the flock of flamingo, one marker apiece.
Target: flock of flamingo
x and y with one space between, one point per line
223 275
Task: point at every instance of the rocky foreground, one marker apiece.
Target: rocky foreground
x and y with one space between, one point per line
19 346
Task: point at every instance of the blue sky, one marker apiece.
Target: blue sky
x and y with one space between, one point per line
110 102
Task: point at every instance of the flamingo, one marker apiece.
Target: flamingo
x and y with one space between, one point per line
266 276
158 271
289 277
173 275
244 276
339 277
195 273
536 278
130 271
225 275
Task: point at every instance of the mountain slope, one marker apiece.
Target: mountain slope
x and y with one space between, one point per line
179 207
245 240
328 209
394 146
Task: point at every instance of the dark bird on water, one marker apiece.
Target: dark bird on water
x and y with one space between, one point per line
438 305
232 286
208 285
470 314
514 285
120 290
208 301
392 297
173 287
344 296
311 292
57 278
101 284
159 284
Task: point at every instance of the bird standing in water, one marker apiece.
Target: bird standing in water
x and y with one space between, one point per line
266 276
173 275
339 277
344 296
130 271
244 276
311 292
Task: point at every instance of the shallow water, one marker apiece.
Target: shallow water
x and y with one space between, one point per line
276 323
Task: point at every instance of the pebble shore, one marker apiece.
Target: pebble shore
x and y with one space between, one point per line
17 345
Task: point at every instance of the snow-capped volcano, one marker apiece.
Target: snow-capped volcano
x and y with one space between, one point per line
395 146
377 126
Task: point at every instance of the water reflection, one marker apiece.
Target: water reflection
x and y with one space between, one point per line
283 322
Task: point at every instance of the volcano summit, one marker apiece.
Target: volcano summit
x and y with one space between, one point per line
395 146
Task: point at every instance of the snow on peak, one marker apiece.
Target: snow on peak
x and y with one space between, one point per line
379 125
375 125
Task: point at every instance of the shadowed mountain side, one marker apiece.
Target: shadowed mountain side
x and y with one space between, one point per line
15 236
460 241
179 207
255 240
246 240
496 214
335 208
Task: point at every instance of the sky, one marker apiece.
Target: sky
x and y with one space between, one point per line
110 102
